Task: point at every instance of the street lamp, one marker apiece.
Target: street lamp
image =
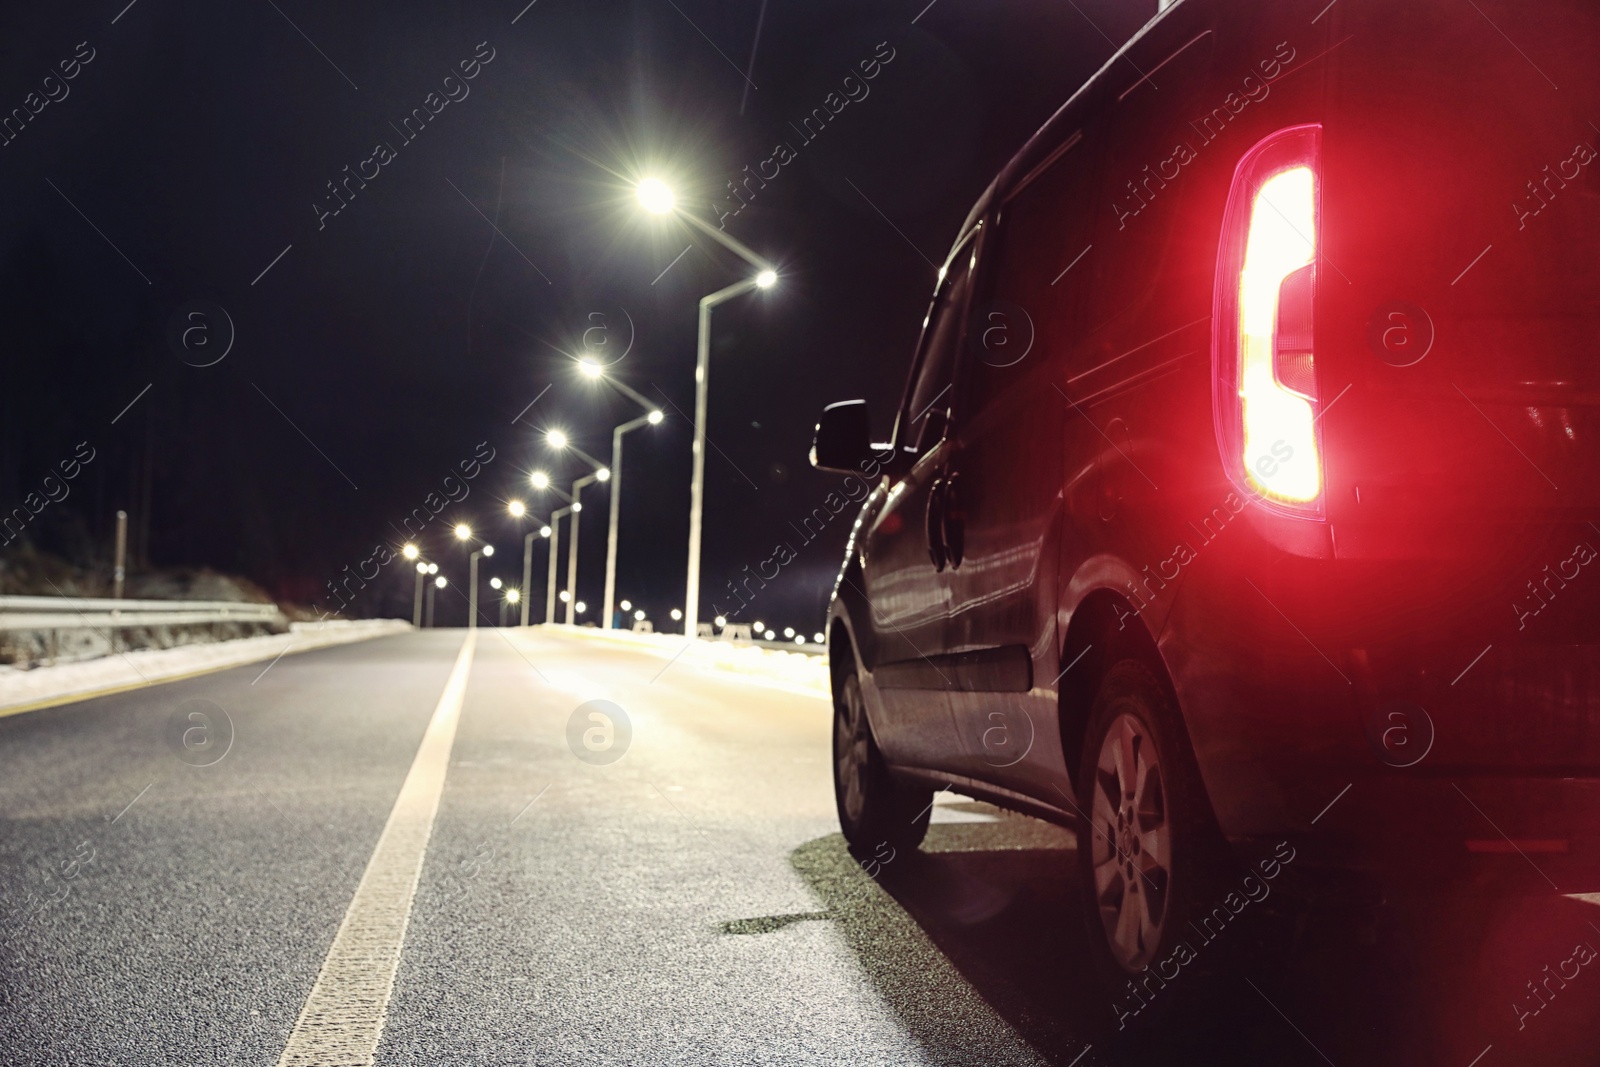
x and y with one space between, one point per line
572 547
472 579
561 442
438 583
525 596
463 532
652 417
555 547
517 509
416 599
658 199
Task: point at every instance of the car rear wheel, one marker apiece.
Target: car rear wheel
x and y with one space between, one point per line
874 808
1148 860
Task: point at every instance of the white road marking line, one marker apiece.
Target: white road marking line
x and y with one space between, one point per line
343 1018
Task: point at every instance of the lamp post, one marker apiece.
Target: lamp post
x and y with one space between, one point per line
601 475
472 578
615 504
592 368
658 199
559 441
527 566
555 547
438 583
412 552
697 483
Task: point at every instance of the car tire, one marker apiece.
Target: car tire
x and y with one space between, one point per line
1149 858
875 809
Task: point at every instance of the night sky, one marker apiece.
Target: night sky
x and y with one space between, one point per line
193 143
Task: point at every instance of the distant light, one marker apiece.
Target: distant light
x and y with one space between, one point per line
517 509
603 474
564 596
556 439
800 639
540 480
656 197
767 279
582 607
788 631
817 638
433 568
422 568
513 595
770 635
591 368
654 418
676 615
576 507
639 615
756 626
440 582
544 531
410 552
488 550
463 532
627 605
495 583
722 620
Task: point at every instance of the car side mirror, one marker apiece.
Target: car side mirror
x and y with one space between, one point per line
843 440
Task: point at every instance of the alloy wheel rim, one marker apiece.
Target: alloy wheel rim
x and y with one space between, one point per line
1131 848
850 751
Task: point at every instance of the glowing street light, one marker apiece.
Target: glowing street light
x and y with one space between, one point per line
766 279
439 582
463 532
676 614
565 596
556 439
591 367
638 616
540 480
544 531
654 418
517 509
495 583
721 621
627 605
513 594
656 196
410 552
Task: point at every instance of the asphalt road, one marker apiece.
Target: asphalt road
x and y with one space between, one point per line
689 903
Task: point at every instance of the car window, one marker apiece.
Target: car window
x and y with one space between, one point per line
927 411
1024 316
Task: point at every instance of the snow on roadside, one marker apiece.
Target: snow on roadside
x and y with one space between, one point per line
19 688
798 670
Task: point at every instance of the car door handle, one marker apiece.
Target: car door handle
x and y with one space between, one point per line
934 524
952 519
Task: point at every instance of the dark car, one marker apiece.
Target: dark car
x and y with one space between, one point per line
1242 507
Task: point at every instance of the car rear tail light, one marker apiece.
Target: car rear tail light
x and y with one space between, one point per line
1263 347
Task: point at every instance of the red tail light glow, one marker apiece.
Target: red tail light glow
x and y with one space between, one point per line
1263 353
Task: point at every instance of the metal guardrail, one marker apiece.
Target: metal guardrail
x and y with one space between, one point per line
104 613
